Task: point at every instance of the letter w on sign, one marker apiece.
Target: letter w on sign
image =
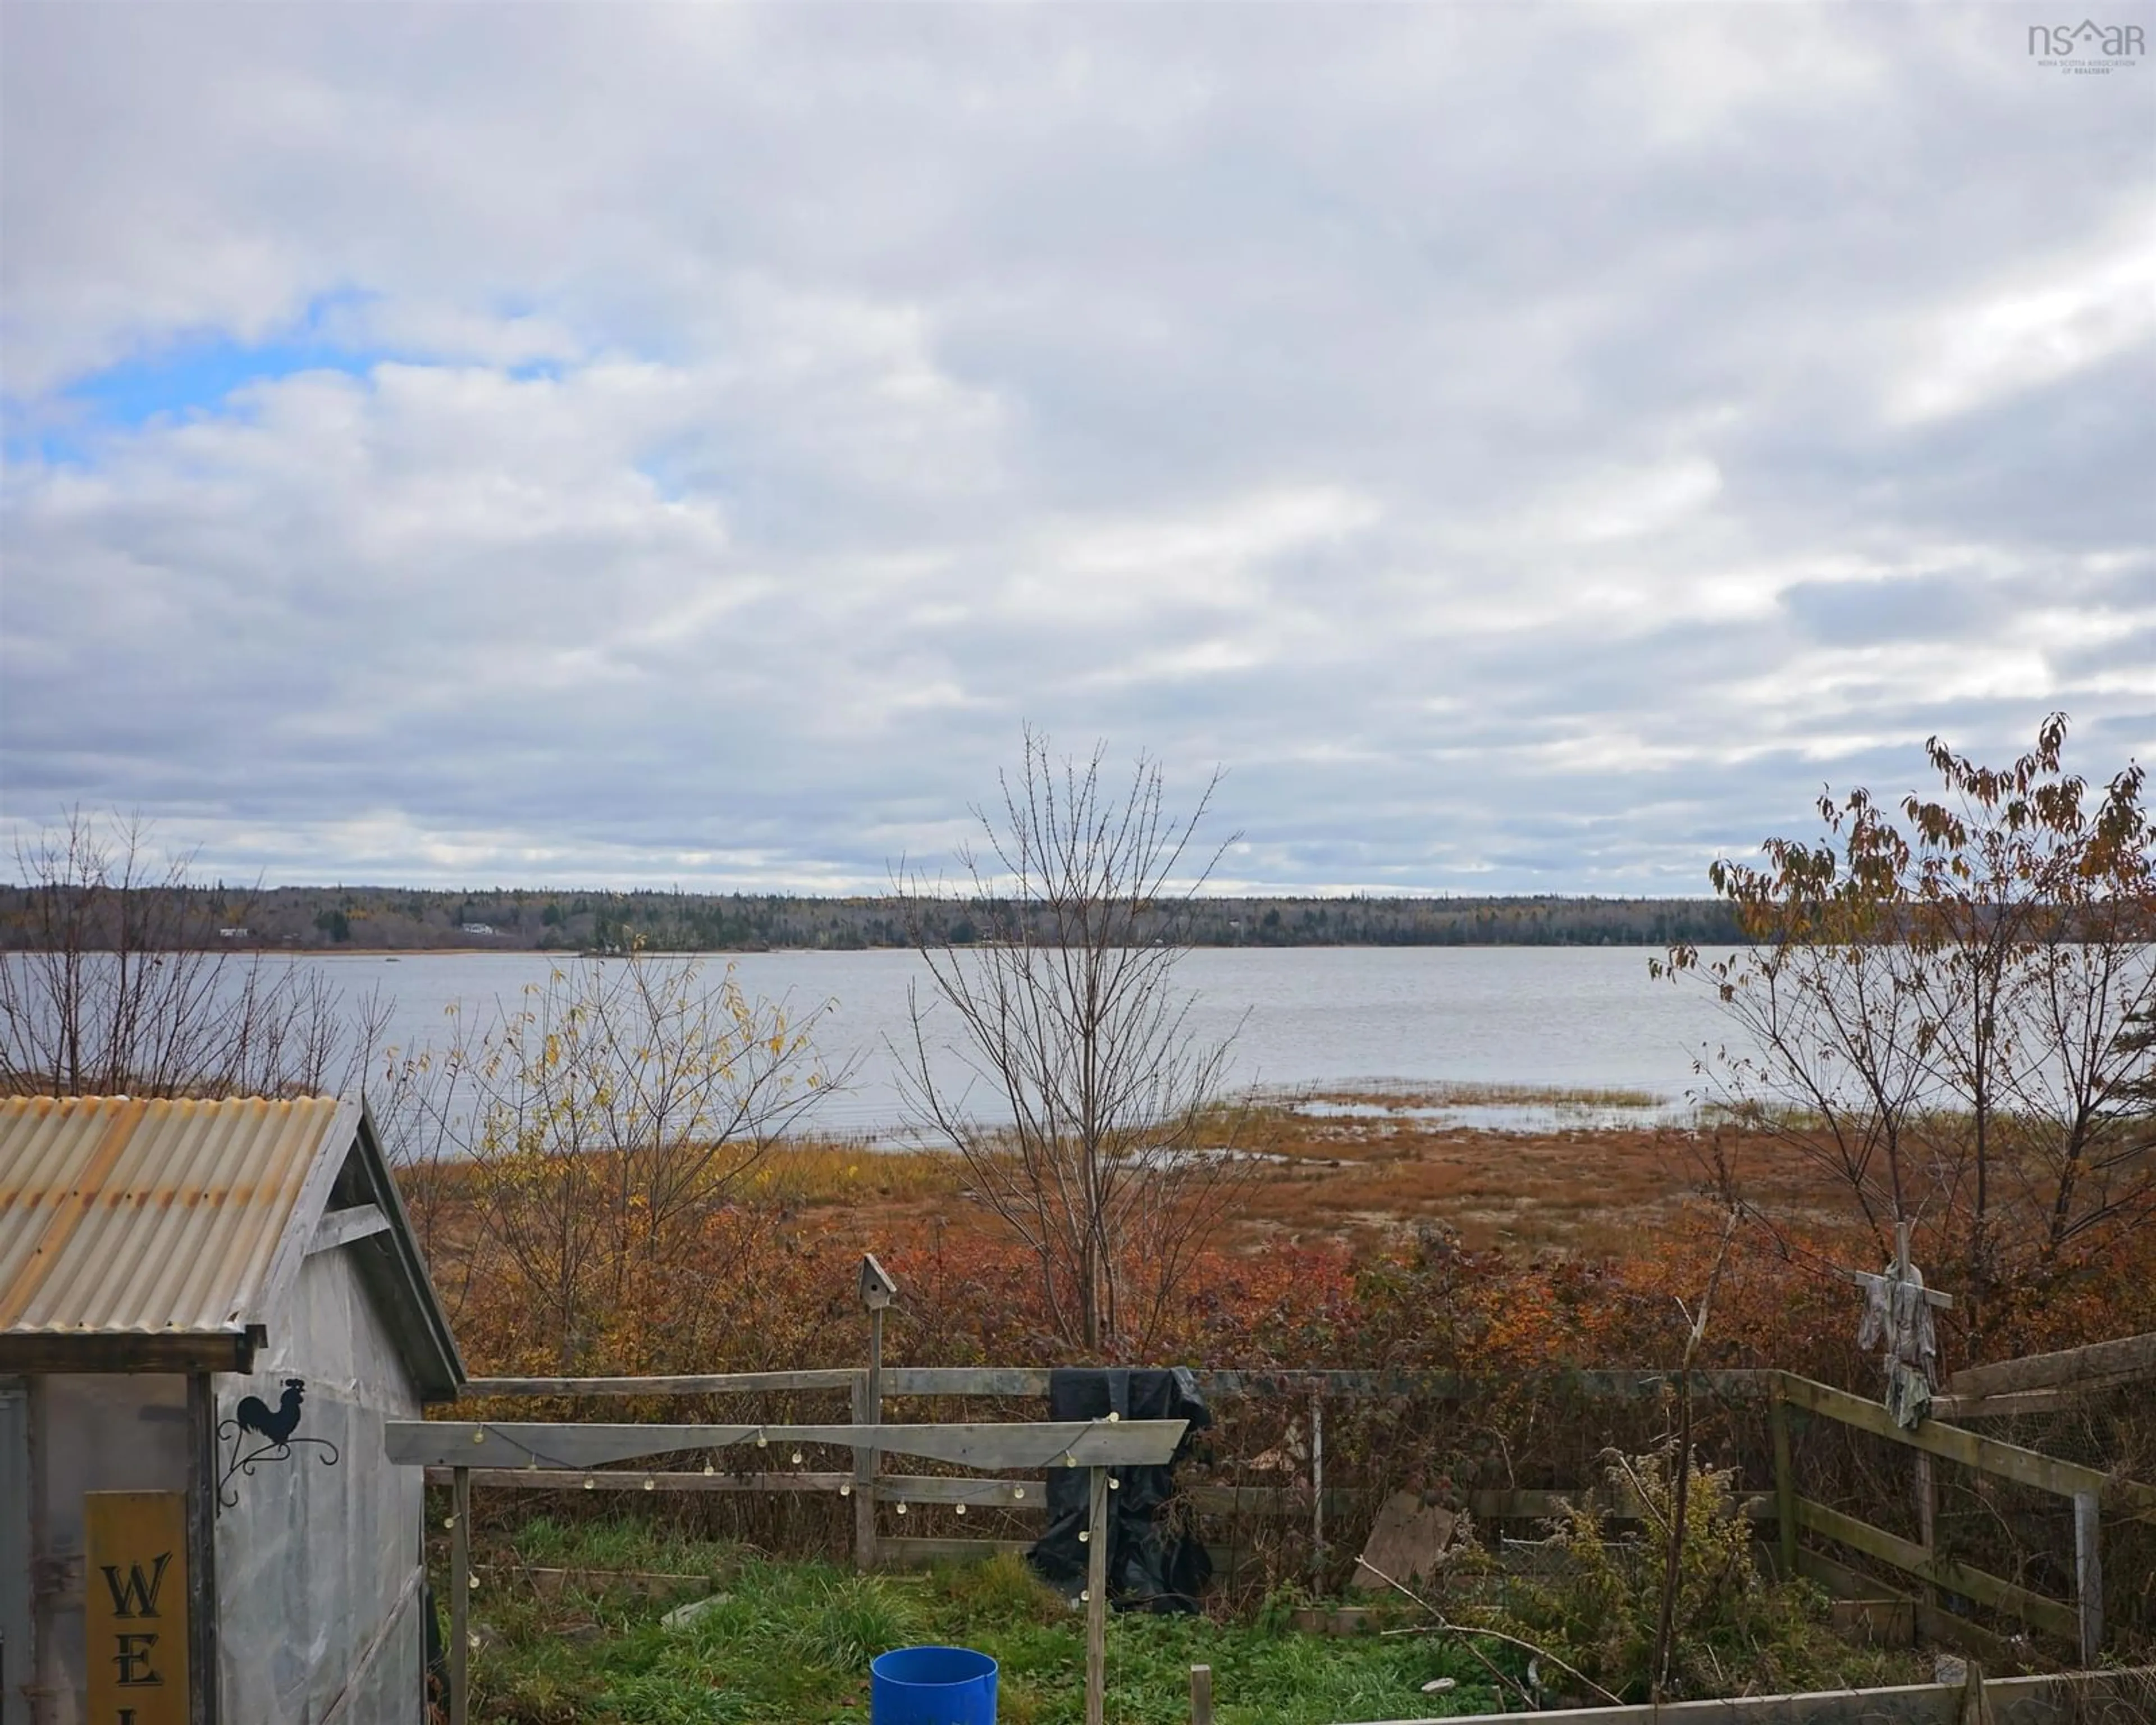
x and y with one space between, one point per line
136 1620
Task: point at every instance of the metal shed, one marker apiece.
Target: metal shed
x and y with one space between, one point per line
208 1310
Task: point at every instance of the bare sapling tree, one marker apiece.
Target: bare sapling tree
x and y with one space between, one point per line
1940 1012
596 1124
115 981
1107 1144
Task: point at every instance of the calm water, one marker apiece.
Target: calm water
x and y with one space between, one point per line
1570 1017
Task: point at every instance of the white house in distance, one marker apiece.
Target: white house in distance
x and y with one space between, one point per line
208 1311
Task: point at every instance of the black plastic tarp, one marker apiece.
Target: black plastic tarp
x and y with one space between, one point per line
1152 1566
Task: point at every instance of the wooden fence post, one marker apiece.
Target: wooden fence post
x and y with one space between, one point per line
461 1598
1785 1482
2088 1575
1928 1508
1317 1483
877 1290
1201 1694
1097 1600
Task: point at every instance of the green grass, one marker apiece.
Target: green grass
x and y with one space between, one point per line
791 1642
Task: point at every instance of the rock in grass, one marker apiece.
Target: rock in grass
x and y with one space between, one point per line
682 1616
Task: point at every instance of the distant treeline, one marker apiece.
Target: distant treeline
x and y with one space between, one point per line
527 920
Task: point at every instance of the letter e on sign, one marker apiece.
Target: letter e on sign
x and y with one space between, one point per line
135 1585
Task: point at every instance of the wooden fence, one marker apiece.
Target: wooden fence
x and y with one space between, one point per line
2078 1620
531 1449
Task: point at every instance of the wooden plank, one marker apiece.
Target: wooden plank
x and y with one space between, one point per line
33 1353
1926 1490
966 1380
460 1599
1013 1381
709 1383
527 1479
137 1606
1026 1497
2015 1701
202 1545
340 1228
1738 1383
2088 1577
863 1486
2128 1356
2049 1615
456 1443
2022 1402
1096 1597
2046 1473
868 1410
1785 1483
1932 1623
1201 1694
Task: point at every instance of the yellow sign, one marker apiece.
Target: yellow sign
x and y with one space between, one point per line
135 1581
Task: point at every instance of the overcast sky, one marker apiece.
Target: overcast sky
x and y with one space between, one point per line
1530 448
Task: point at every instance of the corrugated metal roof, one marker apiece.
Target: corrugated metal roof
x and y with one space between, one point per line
121 1215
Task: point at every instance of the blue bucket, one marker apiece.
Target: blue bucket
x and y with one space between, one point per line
932 1685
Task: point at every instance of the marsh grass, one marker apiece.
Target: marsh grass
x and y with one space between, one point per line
791 1642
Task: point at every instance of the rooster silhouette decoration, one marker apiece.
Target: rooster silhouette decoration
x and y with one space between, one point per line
271 1431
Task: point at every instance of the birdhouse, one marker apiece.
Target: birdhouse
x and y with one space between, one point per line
878 1289
208 1310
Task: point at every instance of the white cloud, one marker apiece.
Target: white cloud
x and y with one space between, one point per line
686 442
2014 338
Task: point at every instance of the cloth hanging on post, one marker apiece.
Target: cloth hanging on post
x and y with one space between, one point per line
1152 1565
1898 1319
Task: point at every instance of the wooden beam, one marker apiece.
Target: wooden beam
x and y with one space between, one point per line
2016 1700
30 1353
453 1443
865 1491
1785 1484
1096 1597
2020 1401
2088 1578
2133 1356
1026 1497
460 1599
709 1383
339 1228
1013 1381
2046 1473
966 1380
525 1479
1932 1623
2050 1615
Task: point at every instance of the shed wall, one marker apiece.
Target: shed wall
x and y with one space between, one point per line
127 1433
319 1568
